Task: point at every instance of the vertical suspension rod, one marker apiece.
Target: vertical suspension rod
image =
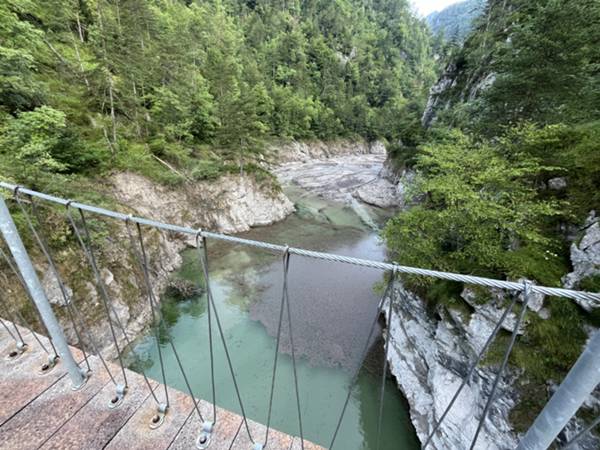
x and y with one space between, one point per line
25 266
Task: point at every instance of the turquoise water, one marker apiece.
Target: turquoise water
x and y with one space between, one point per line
332 306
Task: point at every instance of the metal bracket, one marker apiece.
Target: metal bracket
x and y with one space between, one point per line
119 397
159 418
21 347
257 446
203 440
85 375
48 366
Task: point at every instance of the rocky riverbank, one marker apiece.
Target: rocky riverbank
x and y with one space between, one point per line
345 171
430 354
230 204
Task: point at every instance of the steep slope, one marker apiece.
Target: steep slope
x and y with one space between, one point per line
456 21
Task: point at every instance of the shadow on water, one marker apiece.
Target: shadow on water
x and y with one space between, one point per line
332 307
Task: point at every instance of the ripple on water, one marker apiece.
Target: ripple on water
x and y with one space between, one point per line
332 307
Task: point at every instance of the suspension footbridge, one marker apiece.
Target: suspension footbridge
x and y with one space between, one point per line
59 396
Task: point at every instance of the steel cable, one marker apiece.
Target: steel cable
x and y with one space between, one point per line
74 311
42 243
286 260
18 313
204 262
469 279
20 341
507 352
107 303
364 353
294 369
156 310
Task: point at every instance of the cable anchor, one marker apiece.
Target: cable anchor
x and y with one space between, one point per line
20 348
48 366
159 418
119 397
203 440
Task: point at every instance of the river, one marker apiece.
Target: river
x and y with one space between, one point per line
332 307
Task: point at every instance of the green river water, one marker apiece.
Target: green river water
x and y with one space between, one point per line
332 307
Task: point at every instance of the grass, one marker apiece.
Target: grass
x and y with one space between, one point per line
545 353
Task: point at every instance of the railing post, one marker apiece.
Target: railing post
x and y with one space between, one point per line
579 383
15 244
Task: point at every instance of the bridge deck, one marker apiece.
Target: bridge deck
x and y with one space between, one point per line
40 410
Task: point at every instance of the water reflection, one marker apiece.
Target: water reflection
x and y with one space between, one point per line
332 308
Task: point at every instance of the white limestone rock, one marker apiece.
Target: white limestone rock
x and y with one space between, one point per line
429 358
53 291
585 259
230 204
557 184
381 193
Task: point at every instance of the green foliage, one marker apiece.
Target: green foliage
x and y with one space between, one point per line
533 61
557 342
455 21
39 142
547 71
181 77
479 210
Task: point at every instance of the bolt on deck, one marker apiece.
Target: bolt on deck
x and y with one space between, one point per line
40 409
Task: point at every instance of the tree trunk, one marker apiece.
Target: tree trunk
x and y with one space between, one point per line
79 29
112 111
87 83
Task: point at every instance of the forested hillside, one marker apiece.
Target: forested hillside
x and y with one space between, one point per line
88 86
509 169
456 21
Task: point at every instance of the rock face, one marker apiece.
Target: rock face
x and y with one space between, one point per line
585 258
53 290
435 101
230 204
456 85
344 172
429 358
309 151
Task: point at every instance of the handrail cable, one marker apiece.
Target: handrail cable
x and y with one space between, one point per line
364 353
480 281
20 316
143 259
71 309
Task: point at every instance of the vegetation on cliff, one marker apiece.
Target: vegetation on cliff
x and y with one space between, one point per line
509 169
189 89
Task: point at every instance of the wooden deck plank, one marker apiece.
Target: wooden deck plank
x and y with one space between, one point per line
224 431
137 434
42 411
21 380
96 424
277 439
43 416
297 445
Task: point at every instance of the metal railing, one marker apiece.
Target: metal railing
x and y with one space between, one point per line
577 386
